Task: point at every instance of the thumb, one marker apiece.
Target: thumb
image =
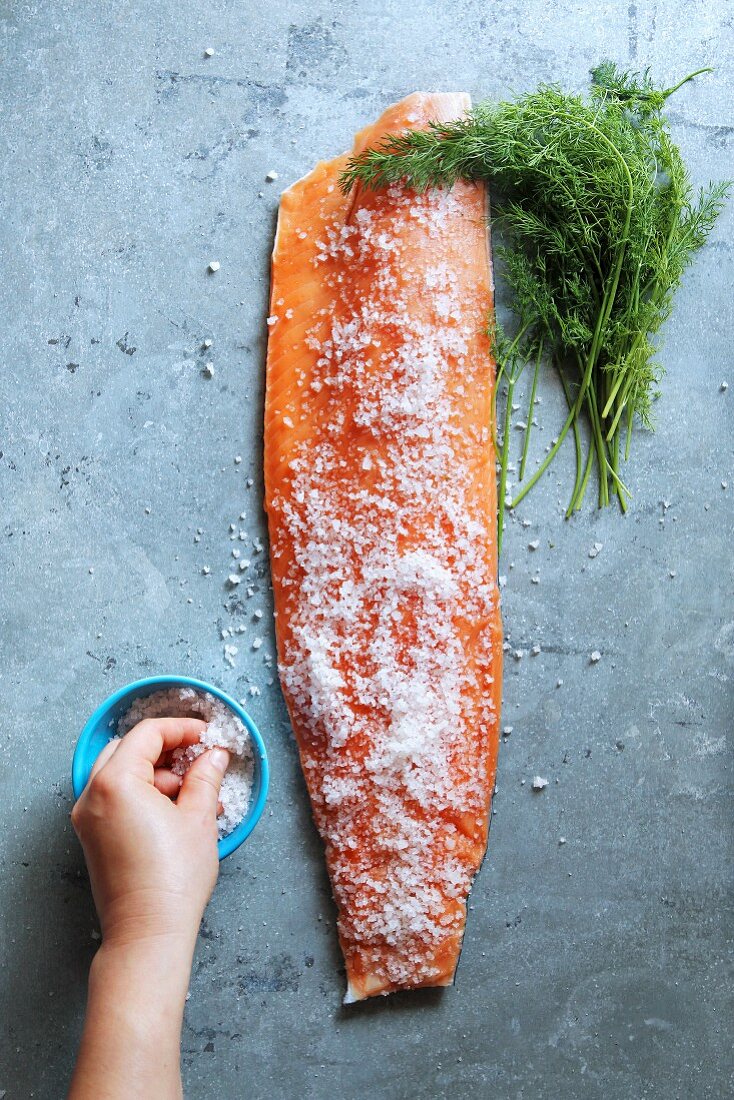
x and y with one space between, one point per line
200 788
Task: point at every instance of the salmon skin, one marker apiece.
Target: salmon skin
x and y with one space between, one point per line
381 501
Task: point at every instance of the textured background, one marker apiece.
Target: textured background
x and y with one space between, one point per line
593 969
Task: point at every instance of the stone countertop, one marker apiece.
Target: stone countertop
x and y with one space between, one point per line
592 968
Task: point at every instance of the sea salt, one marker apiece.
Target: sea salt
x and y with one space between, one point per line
223 729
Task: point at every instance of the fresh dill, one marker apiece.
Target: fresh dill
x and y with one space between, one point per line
600 222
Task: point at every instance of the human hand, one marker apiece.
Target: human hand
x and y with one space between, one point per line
152 864
152 861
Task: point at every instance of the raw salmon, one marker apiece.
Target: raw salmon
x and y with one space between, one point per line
380 493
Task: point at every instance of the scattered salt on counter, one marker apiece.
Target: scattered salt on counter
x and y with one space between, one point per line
224 729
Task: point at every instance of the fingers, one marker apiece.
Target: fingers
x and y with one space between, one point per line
141 748
109 750
200 789
166 782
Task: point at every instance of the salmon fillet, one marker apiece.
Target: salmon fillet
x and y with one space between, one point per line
381 501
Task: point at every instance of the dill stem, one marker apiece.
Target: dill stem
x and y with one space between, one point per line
503 465
531 404
669 91
612 394
573 413
501 371
619 488
493 411
601 451
620 409
577 443
547 460
585 481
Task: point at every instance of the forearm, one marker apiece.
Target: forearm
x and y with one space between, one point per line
132 1031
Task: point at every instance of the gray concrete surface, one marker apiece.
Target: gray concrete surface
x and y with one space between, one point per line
598 968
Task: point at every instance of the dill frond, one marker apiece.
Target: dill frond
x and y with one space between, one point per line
600 220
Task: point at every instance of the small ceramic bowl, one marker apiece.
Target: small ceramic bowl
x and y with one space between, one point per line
102 726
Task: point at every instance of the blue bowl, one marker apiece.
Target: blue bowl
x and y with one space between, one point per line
102 725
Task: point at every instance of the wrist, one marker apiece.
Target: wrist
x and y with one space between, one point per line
140 987
143 917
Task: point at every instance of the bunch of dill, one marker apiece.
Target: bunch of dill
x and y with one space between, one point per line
600 221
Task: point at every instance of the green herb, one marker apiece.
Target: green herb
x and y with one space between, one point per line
600 222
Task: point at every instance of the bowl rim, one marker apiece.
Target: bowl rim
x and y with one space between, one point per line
80 767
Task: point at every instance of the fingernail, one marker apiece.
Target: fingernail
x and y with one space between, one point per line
219 759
